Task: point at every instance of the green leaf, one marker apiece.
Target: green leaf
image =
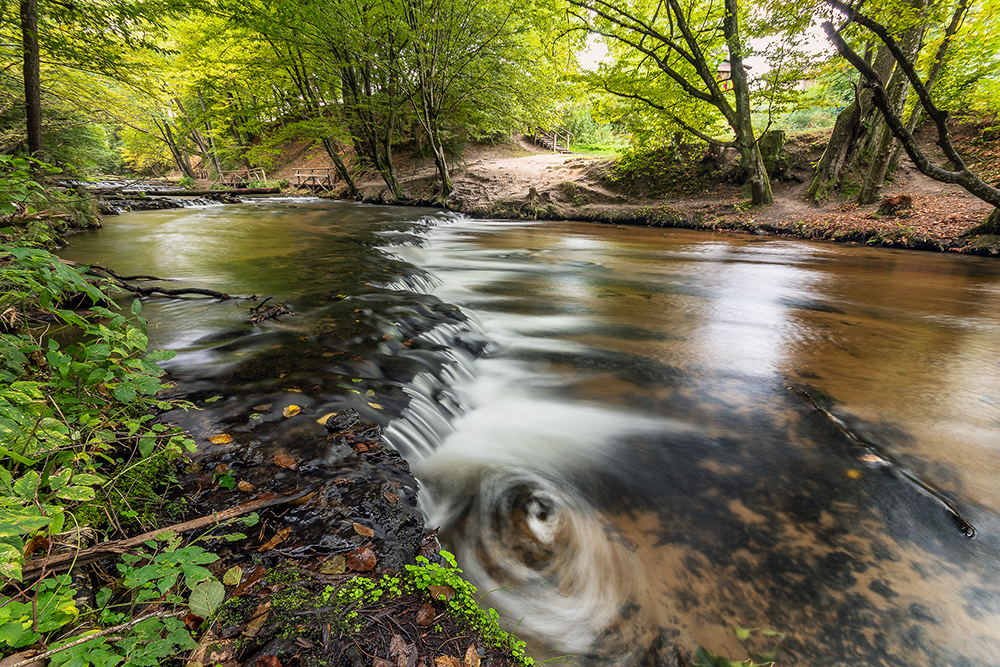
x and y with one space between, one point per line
136 307
87 479
206 598
213 399
76 493
10 633
233 576
742 633
13 525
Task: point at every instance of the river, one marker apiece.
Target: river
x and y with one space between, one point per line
639 440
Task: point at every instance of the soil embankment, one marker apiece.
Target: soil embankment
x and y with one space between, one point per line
520 181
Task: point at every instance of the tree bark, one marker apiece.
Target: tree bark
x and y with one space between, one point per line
960 174
180 159
746 143
847 139
871 187
32 76
213 151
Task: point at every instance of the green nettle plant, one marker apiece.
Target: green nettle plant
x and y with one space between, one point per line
77 431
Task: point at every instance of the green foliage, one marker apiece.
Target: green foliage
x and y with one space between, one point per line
463 603
655 171
76 432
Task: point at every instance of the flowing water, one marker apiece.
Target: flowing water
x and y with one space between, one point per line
637 439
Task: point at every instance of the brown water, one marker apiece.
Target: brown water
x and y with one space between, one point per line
638 439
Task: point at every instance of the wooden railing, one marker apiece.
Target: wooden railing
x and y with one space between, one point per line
316 178
550 139
243 177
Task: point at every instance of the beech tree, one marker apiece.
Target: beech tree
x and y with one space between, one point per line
958 172
684 43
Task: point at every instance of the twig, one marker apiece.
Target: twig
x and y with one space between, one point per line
105 549
102 633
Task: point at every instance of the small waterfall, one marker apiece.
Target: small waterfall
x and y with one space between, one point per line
524 534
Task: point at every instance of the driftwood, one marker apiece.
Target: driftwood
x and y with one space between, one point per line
99 271
259 313
37 566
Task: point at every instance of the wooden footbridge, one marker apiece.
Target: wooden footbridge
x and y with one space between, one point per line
316 179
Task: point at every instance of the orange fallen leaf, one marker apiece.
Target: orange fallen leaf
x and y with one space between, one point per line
375 405
391 497
285 461
447 661
258 619
426 615
472 656
361 559
322 420
245 486
438 592
363 530
263 407
291 411
221 439
280 537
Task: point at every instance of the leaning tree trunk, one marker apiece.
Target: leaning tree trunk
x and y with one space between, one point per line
179 158
331 150
32 75
956 22
871 188
849 132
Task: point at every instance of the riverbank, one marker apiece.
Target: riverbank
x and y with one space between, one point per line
519 181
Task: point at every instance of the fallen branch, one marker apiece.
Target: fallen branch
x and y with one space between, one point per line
35 567
259 313
120 281
103 633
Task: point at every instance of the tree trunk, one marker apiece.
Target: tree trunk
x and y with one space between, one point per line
213 151
991 225
196 135
331 150
871 188
847 140
746 144
179 157
32 76
956 22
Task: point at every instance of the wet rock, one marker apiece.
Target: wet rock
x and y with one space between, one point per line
344 420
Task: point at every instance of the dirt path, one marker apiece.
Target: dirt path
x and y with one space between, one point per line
519 181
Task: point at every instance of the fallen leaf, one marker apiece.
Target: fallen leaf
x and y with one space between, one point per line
213 399
472 656
447 661
853 473
222 467
375 405
233 576
429 546
268 661
303 642
403 652
276 540
291 411
445 592
250 577
379 662
285 461
391 497
19 657
294 390
193 622
335 565
322 420
245 486
426 615
221 439
363 530
361 559
263 407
